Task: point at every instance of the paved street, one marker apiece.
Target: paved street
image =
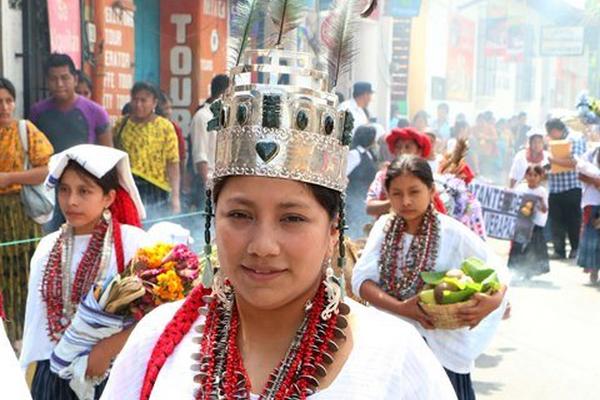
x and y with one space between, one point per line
550 347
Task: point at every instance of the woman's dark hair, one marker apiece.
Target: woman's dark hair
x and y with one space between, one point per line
110 180
403 123
459 126
364 136
83 78
538 169
57 60
163 99
329 199
126 110
147 86
409 165
9 87
420 115
488 117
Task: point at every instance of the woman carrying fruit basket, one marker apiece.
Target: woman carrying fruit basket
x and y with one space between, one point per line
415 239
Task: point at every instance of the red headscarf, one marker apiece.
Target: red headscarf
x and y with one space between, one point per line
419 138
124 210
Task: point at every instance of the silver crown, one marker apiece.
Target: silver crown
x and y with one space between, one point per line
279 120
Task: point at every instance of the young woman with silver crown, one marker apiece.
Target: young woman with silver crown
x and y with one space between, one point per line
416 238
275 324
100 201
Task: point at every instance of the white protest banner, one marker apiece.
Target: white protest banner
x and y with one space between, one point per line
500 209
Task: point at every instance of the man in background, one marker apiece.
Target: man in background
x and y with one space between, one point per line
66 118
203 142
358 105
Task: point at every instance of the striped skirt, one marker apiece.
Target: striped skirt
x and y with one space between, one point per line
14 261
462 385
588 255
47 385
530 259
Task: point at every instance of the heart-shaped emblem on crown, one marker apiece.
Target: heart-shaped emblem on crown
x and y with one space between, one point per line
267 150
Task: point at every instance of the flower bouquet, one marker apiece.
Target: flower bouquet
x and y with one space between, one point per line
158 274
446 292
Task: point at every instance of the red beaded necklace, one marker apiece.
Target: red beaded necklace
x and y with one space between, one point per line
219 365
222 369
421 255
60 305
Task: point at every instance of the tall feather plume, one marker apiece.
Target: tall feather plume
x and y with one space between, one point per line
454 159
340 33
369 9
245 15
286 16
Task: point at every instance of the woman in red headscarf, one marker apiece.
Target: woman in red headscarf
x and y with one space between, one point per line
400 141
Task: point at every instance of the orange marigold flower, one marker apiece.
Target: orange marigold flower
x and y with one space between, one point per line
169 286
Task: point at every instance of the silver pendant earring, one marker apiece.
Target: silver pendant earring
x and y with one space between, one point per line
333 292
221 290
107 215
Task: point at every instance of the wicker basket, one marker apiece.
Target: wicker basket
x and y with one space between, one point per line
445 316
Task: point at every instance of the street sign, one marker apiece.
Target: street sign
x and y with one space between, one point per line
562 41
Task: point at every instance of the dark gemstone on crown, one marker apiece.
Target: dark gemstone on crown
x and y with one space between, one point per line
271 111
329 125
301 120
267 150
242 114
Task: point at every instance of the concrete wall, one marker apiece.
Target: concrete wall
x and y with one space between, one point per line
372 64
11 22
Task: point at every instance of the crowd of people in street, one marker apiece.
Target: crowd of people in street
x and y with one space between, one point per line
409 207
506 152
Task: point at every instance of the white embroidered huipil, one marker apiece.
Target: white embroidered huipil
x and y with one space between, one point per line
389 361
12 379
37 345
587 165
455 349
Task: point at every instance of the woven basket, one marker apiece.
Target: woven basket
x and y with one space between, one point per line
445 316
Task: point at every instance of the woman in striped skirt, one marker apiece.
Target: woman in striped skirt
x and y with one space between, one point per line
15 226
589 247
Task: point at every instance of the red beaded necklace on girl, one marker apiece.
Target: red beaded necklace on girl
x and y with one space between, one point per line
60 296
421 255
219 365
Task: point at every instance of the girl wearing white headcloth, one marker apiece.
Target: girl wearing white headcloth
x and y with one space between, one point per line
103 210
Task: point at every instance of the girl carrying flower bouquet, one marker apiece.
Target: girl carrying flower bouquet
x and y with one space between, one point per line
100 201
